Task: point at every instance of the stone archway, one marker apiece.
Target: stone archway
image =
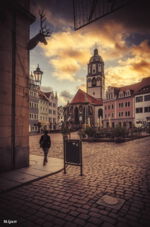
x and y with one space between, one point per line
76 115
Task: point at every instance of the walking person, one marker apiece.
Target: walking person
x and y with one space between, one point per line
45 144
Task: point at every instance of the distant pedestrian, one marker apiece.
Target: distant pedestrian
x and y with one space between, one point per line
45 144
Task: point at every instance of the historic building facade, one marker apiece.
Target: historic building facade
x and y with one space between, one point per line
43 111
142 106
86 107
34 88
53 111
125 106
33 105
42 105
95 77
60 116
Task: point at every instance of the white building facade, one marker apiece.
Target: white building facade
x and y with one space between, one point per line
43 115
52 109
142 108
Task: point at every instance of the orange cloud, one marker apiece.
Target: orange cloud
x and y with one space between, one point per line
69 52
143 67
142 50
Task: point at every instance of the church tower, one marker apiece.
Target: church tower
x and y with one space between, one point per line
95 76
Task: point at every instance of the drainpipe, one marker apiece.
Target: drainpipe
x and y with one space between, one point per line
13 109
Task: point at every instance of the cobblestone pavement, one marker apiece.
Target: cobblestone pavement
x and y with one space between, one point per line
118 170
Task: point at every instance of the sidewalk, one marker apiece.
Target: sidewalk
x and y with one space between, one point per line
35 171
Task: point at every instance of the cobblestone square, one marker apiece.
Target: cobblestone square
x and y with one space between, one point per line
119 170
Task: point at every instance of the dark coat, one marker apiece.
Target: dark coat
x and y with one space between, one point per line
45 141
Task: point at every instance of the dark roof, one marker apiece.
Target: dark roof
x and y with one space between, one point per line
134 87
48 94
96 57
43 96
83 97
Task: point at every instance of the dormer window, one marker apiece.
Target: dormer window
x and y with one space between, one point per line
127 93
121 94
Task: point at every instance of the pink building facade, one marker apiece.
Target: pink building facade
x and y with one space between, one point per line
120 106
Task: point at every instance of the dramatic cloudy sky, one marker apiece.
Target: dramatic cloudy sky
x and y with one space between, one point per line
123 40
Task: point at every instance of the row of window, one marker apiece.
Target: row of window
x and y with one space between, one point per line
127 114
141 109
123 94
121 114
109 107
33 105
52 111
43 118
52 104
109 115
34 94
120 105
43 102
52 120
44 109
33 116
110 96
143 98
125 104
92 68
34 128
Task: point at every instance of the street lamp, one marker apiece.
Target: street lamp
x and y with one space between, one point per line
38 75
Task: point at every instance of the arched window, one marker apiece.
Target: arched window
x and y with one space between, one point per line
99 68
121 94
94 82
89 68
93 68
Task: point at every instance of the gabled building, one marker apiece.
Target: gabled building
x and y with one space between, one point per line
52 112
33 105
43 111
82 110
142 104
120 105
86 107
